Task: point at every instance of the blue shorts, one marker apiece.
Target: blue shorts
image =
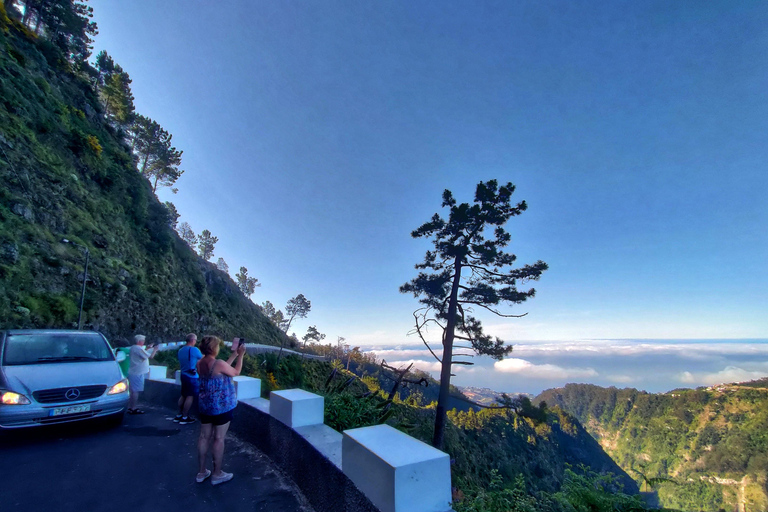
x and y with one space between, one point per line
189 386
136 382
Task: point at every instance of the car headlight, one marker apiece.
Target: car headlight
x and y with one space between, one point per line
11 398
120 387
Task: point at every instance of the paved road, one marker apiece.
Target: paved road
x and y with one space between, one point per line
147 464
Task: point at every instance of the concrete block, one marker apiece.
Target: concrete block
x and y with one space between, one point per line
395 471
157 372
325 440
261 404
177 377
296 407
247 387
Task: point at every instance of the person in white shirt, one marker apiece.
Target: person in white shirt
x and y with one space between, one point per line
138 371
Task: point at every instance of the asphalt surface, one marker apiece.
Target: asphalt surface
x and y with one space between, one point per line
148 463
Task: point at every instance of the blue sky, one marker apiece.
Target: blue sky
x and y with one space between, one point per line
317 135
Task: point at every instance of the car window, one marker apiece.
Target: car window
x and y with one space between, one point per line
54 348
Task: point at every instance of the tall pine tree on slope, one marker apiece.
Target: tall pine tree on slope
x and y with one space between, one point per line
464 271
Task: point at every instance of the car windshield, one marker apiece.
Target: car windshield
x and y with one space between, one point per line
55 348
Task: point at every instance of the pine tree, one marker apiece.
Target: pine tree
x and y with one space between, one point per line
313 335
247 284
276 316
186 234
222 265
206 243
465 271
173 214
118 98
299 307
66 23
105 66
157 158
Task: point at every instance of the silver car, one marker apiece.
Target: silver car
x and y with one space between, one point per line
53 376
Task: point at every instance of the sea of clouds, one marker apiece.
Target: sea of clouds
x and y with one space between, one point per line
651 365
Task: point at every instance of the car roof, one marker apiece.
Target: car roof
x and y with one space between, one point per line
11 332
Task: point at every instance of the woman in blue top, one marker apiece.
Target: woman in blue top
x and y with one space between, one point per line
216 401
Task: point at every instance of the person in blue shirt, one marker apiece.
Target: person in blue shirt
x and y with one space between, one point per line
188 355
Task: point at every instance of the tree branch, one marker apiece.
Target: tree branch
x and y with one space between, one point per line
495 312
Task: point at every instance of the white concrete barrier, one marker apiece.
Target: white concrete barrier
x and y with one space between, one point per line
395 471
177 377
157 372
247 387
296 407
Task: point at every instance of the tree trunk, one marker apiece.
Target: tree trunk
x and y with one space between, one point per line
144 163
280 354
441 414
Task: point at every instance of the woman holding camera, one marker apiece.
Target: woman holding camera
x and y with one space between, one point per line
216 402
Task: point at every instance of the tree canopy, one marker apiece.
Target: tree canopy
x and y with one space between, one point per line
222 265
313 335
66 23
246 284
158 159
186 234
299 307
206 243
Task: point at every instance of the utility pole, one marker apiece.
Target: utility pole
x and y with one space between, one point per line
85 279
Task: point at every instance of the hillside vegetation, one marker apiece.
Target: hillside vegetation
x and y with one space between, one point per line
67 173
702 449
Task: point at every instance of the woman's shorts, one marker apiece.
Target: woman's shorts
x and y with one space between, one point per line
136 382
217 419
189 386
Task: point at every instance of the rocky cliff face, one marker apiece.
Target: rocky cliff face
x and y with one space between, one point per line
66 173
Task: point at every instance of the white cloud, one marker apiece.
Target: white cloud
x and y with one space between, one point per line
542 371
621 379
429 366
725 376
692 349
400 353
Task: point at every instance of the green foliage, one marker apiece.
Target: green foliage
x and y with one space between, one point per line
686 436
246 284
582 491
344 411
206 243
297 307
693 495
158 159
587 491
497 498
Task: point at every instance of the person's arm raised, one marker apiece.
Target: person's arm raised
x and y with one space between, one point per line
234 352
234 372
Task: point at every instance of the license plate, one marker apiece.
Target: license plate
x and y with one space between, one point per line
72 409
